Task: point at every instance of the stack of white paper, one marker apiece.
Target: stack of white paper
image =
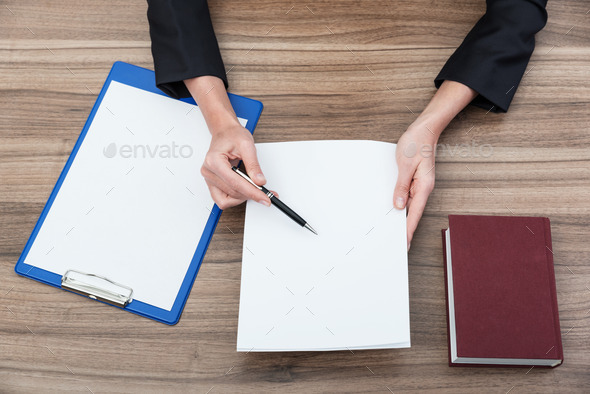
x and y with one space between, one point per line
346 288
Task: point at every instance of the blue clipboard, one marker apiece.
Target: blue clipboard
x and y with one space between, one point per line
143 79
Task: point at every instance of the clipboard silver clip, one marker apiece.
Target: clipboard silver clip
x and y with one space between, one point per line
97 287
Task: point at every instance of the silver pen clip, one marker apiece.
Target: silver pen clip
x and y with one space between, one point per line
246 177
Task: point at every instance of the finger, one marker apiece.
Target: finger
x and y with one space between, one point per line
238 184
403 184
408 204
223 200
410 195
213 180
408 235
415 211
250 161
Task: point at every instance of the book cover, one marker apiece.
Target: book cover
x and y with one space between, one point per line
502 306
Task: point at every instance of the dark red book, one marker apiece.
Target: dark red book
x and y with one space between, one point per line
501 297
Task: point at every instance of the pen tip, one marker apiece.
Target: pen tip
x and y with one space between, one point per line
307 226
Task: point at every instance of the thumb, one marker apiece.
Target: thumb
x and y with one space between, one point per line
252 166
402 186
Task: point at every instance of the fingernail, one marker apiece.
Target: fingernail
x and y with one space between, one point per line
264 202
260 177
409 244
399 202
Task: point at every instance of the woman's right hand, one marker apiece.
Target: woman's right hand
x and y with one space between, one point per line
229 145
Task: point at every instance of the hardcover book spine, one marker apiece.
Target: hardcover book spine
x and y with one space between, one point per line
549 253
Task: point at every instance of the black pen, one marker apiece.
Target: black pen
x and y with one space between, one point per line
276 202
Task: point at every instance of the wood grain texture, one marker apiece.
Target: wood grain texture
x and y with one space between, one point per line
326 70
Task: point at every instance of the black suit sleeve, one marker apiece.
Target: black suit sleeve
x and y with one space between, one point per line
493 57
183 44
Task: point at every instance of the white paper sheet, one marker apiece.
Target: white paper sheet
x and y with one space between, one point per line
346 288
134 204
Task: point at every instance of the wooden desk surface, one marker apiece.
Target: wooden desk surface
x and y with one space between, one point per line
326 70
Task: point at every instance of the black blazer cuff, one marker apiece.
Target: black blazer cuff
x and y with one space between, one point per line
487 99
173 83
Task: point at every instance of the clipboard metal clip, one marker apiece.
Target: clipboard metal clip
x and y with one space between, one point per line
97 287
